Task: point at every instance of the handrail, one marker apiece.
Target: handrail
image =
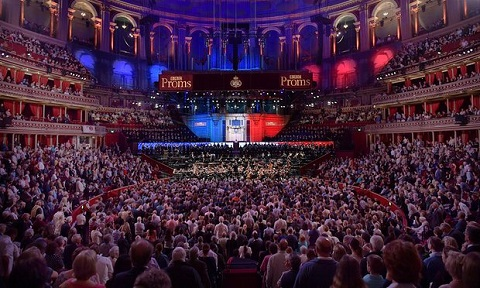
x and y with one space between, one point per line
429 93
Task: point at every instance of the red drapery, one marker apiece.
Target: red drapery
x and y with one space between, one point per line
35 78
477 66
463 69
439 75
408 82
65 85
451 72
56 82
43 80
57 111
20 75
3 70
78 86
434 107
8 105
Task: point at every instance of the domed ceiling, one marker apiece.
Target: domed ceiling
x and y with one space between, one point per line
244 9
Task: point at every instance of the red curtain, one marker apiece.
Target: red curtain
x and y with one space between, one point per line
78 87
8 105
434 106
463 69
57 111
451 72
65 85
20 75
35 78
56 82
476 101
477 66
3 70
439 75
43 80
458 104
408 82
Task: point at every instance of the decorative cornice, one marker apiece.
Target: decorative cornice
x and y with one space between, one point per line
432 125
36 95
426 94
49 128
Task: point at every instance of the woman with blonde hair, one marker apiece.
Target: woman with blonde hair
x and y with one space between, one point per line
471 266
454 265
84 267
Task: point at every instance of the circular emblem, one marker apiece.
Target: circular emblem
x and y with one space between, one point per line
236 82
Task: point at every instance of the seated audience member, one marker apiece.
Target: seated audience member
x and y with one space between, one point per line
403 263
472 238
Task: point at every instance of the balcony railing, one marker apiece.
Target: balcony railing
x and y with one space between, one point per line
50 128
430 93
432 125
24 92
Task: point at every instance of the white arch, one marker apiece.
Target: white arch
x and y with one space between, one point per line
166 25
304 25
201 29
384 5
268 29
87 6
343 16
126 16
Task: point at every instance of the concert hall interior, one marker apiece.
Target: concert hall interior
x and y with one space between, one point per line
239 143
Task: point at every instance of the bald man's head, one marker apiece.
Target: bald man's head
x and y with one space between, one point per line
323 246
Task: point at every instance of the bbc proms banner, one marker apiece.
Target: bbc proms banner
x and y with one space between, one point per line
228 81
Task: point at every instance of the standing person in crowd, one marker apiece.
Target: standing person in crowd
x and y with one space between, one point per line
276 265
472 238
434 263
374 278
181 273
403 263
454 265
153 278
319 272
348 274
84 267
287 280
140 254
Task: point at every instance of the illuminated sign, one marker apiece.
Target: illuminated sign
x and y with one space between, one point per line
296 81
200 124
169 82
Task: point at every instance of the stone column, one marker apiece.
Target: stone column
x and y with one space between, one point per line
364 28
152 47
104 35
63 20
53 15
398 15
288 52
188 43
22 12
173 53
97 22
112 28
181 57
136 37
415 20
406 20
373 36
333 42
357 35
70 24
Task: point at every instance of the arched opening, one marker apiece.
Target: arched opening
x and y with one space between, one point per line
345 34
82 23
123 38
386 22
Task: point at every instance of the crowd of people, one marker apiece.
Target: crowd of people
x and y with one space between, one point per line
326 116
413 53
45 53
148 118
292 231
